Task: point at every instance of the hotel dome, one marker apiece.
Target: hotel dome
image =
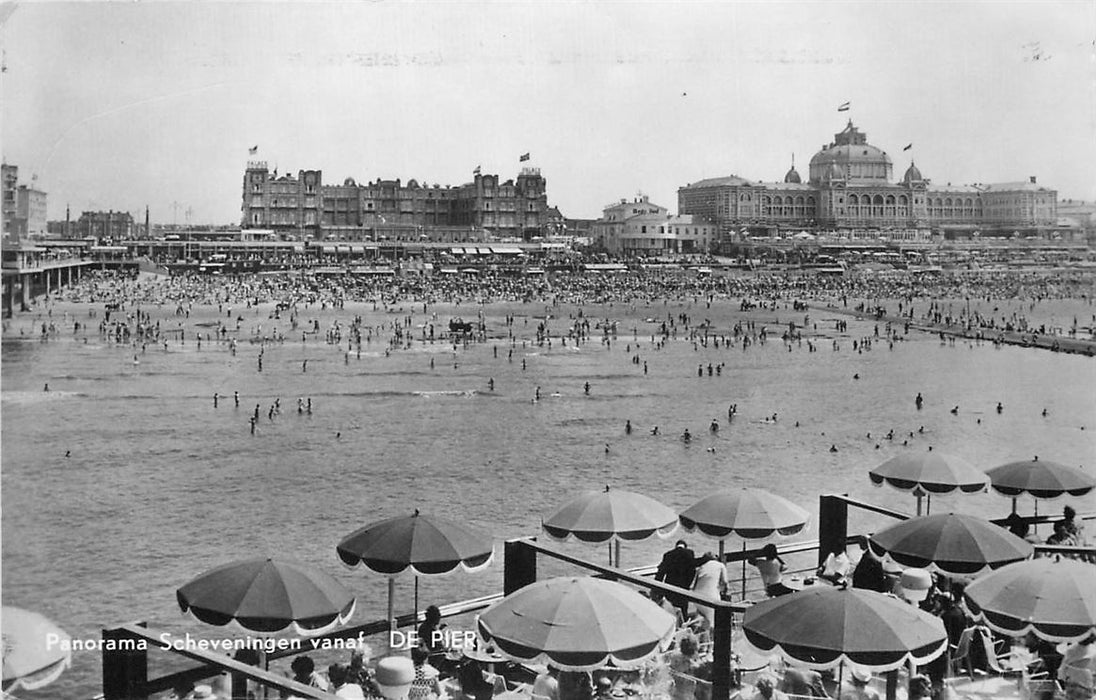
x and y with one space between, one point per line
853 157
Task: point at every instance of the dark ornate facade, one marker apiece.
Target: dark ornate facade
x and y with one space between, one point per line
303 206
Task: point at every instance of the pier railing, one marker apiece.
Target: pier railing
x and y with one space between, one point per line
126 647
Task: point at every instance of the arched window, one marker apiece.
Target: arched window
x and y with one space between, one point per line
854 200
890 200
902 200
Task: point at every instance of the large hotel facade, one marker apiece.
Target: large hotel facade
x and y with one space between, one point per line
849 191
302 206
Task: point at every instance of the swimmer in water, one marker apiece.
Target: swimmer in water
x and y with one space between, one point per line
628 427
1044 410
714 427
654 430
955 411
833 448
686 436
1000 407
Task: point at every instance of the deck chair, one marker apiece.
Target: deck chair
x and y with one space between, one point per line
994 661
960 655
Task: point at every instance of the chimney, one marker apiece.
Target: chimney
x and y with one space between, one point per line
147 229
1033 179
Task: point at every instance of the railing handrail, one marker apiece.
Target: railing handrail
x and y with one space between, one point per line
613 573
227 663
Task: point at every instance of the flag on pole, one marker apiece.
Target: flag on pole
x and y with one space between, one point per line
253 150
908 147
523 158
476 171
844 107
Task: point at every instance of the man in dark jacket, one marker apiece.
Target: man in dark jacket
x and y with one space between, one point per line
677 568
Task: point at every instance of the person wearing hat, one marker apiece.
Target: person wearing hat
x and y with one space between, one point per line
202 692
856 686
677 568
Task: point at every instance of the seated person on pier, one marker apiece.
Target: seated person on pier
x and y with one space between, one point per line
766 689
425 686
869 573
477 685
836 567
856 687
546 685
341 684
802 681
771 567
432 640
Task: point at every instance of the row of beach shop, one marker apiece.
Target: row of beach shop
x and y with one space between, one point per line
608 621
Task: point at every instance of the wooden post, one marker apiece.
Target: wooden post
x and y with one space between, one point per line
238 681
721 653
892 684
519 566
125 665
833 525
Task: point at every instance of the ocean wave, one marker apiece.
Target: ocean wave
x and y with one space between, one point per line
455 392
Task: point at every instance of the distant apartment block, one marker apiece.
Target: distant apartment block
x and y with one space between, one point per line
24 206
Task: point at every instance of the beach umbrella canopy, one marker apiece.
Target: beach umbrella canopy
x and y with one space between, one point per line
577 624
1052 597
1041 479
826 627
600 516
929 472
747 512
36 651
428 545
268 595
959 545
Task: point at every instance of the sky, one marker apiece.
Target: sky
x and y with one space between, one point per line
119 105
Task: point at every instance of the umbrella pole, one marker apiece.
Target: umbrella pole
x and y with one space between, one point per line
928 504
840 679
743 567
391 615
416 611
617 546
918 505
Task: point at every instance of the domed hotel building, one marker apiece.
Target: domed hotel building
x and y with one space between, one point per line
849 192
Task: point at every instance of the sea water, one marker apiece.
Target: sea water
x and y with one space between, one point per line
123 482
